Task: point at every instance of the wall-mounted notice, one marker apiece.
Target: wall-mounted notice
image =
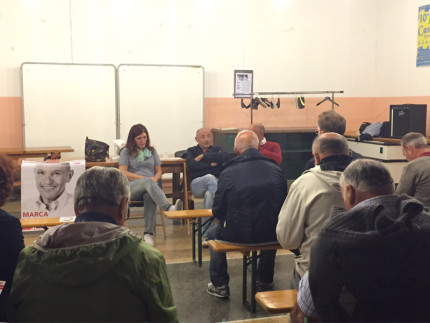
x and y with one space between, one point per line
243 80
423 46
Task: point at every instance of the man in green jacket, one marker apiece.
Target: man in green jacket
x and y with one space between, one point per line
93 269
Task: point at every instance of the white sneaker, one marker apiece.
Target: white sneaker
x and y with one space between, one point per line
148 239
177 207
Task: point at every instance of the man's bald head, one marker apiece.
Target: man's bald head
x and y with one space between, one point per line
204 138
244 140
329 144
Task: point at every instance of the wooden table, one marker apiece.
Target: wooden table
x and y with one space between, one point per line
30 152
42 222
197 227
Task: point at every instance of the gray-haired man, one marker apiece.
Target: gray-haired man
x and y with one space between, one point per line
93 269
371 260
415 180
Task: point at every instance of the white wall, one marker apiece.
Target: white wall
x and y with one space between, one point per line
364 47
397 74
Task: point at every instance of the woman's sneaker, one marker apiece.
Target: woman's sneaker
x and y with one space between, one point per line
177 207
221 292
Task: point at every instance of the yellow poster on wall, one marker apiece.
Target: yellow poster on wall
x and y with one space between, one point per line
423 46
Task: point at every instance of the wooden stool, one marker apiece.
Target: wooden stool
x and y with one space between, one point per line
249 252
277 301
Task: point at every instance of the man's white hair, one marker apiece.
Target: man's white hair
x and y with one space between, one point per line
246 139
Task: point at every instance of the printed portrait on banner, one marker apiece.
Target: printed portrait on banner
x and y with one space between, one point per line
47 188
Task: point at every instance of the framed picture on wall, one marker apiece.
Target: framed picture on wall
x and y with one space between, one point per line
243 83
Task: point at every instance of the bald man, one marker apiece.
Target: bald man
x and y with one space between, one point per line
251 190
310 198
204 162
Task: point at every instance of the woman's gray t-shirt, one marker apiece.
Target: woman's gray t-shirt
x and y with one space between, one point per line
143 168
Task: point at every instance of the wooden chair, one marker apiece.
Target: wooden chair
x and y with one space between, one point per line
162 224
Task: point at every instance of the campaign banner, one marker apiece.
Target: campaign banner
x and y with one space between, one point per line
423 46
47 188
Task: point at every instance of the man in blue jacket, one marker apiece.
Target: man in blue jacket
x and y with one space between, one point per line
251 190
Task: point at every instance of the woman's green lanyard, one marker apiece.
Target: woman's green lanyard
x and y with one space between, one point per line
144 154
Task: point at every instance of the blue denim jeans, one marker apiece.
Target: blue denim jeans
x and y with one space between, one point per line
146 190
205 186
218 264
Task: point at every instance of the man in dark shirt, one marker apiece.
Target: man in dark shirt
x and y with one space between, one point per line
205 162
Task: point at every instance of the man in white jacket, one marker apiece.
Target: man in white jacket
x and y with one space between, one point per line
310 198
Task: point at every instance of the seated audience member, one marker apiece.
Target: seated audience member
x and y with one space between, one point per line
205 162
11 239
140 163
310 197
370 263
331 121
250 193
94 269
269 149
415 179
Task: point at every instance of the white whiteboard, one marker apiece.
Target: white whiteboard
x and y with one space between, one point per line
168 100
64 103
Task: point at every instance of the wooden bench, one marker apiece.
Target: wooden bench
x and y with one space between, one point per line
44 222
277 301
197 227
249 258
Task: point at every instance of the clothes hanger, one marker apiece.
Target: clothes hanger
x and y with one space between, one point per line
261 102
327 99
278 104
254 104
243 105
267 102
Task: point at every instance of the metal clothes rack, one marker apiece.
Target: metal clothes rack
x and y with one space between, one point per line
252 94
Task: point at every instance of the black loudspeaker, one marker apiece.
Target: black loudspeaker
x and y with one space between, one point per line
407 118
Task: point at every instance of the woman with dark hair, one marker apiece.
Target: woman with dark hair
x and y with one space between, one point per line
11 239
140 163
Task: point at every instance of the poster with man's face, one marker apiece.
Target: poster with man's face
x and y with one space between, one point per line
47 188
